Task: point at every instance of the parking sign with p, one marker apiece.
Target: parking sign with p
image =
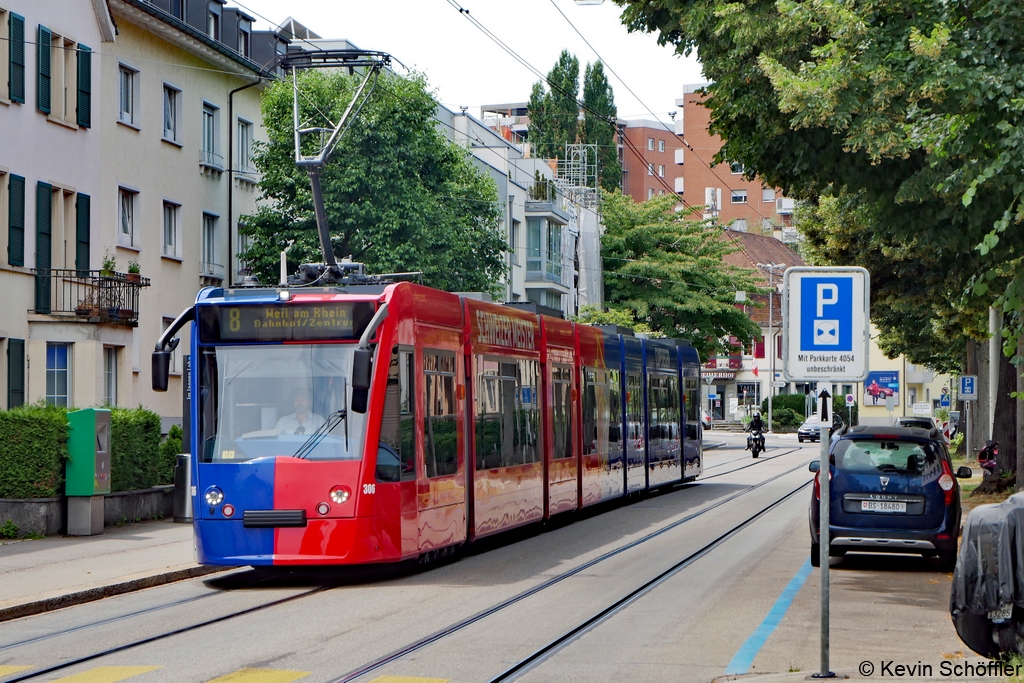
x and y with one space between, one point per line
826 317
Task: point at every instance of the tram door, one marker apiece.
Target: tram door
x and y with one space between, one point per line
441 478
563 485
636 471
395 488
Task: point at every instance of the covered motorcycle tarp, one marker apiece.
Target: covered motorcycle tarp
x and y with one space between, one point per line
989 575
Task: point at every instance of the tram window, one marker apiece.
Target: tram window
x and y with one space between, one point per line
561 385
208 402
590 417
506 413
614 409
441 439
396 453
635 408
691 387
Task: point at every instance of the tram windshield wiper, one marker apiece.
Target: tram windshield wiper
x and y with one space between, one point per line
323 430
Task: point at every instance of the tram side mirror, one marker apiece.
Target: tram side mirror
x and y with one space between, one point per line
161 369
814 465
362 364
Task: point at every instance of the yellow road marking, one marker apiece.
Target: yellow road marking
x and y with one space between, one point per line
261 676
106 674
408 679
8 670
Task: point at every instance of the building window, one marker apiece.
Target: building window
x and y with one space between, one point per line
768 194
110 375
171 239
126 217
661 145
175 364
533 230
208 150
513 241
736 168
62 75
650 169
554 255
208 264
213 23
650 193
739 196
650 144
128 95
661 192
740 225
244 146
58 374
172 112
661 170
243 42
6 48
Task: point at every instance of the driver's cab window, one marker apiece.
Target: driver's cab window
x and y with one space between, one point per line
396 452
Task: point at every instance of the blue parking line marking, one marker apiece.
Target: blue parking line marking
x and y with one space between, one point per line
744 657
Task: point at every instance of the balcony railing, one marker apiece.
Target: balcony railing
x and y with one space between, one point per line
210 158
98 296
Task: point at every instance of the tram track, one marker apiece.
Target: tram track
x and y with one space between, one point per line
755 461
437 636
551 648
376 664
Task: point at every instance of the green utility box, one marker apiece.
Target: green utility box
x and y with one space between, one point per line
87 473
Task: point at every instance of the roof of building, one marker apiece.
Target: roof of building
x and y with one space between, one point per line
751 250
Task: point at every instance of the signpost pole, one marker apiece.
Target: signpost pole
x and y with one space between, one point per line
824 399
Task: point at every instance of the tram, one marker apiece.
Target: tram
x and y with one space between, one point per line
387 422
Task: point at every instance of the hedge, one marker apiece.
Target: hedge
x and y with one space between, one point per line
33 448
795 402
135 449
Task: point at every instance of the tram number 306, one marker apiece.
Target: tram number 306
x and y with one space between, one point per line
369 488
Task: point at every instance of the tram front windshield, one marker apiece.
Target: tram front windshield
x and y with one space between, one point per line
281 400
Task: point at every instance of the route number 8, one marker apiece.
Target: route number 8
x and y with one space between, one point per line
234 319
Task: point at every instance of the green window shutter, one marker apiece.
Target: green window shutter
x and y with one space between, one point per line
16 63
83 224
15 373
84 86
16 221
43 59
44 192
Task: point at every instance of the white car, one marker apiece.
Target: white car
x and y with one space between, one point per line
705 419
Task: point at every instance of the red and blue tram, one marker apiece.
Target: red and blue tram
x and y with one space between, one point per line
379 423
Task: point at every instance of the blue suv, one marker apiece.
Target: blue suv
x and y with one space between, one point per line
892 489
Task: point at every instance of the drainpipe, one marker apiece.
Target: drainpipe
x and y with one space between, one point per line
231 177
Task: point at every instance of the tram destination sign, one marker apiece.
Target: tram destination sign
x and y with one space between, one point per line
826 314
314 321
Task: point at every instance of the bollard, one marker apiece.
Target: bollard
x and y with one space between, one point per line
183 488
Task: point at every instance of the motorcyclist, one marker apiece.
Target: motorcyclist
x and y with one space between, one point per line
756 429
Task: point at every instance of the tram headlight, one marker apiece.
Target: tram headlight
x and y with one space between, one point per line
339 494
214 496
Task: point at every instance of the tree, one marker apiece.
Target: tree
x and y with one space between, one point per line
668 272
599 116
539 130
911 108
399 196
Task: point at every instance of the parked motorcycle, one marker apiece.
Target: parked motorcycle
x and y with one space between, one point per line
987 456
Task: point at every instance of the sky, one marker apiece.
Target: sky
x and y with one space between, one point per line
466 68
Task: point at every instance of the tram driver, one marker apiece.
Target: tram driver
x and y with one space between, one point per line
302 421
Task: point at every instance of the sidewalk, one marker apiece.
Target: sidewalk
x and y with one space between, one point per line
59 571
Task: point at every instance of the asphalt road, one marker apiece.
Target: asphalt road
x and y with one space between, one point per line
672 587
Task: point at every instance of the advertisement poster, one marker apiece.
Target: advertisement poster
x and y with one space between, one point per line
880 385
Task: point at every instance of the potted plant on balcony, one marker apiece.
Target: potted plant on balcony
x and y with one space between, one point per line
133 272
109 265
85 306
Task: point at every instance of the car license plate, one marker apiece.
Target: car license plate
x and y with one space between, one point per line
882 506
1003 613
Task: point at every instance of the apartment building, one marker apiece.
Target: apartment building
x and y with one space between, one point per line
723 190
128 131
652 160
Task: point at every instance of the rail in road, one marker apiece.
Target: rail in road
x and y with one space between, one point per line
254 579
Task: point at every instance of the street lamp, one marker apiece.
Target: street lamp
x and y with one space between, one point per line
771 267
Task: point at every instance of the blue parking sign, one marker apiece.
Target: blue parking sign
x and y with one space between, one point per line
826 314
968 387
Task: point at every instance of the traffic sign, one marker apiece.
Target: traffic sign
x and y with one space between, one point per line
968 387
849 400
779 383
712 396
826 331
944 401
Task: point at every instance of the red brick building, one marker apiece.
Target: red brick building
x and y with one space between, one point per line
723 190
651 160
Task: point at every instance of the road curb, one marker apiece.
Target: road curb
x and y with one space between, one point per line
92 594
